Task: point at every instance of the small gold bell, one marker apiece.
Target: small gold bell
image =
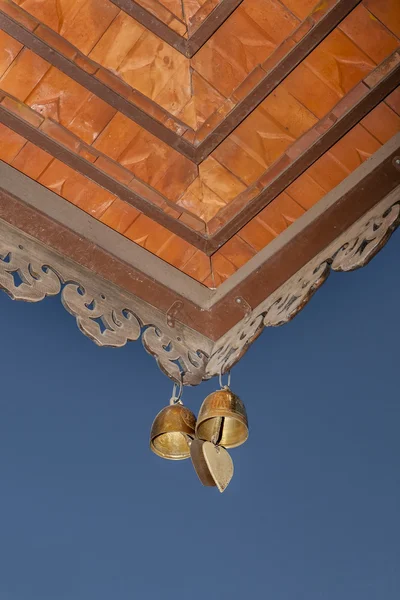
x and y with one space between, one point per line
172 431
222 419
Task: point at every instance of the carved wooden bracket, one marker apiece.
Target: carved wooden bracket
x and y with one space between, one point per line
110 316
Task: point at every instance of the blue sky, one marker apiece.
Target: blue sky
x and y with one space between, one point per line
88 512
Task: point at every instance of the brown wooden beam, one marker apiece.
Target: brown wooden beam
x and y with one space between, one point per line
61 62
329 138
210 25
187 47
88 169
153 24
276 75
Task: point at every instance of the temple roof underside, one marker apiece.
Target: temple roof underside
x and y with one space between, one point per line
188 172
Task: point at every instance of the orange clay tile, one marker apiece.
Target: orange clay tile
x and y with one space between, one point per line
393 100
149 159
339 62
198 267
76 188
309 188
164 14
201 200
176 252
57 97
190 8
148 234
262 137
272 17
328 172
116 136
238 161
352 150
369 34
295 118
117 42
305 191
89 23
386 11
307 86
218 179
9 48
150 64
237 251
204 102
91 119
280 214
211 190
192 90
203 12
222 268
32 161
119 216
60 134
256 234
301 8
24 74
10 143
114 169
176 91
382 122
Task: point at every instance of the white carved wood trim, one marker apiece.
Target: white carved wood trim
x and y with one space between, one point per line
105 313
110 316
350 251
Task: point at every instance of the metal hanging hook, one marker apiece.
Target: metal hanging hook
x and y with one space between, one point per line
177 399
222 386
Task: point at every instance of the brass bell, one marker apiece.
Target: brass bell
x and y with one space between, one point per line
222 419
172 431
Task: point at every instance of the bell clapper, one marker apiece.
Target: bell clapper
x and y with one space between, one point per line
218 429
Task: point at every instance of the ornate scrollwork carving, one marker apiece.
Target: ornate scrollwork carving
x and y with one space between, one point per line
104 323
365 245
351 251
105 314
111 317
24 278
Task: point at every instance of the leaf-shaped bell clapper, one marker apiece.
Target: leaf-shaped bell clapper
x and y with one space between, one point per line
172 431
222 419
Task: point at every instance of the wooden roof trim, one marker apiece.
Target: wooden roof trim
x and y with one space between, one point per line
179 350
181 353
43 214
352 248
211 313
378 176
187 47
